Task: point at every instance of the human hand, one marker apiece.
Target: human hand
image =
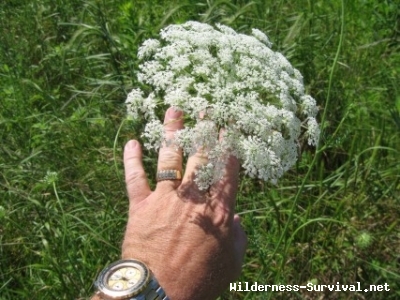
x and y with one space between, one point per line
190 239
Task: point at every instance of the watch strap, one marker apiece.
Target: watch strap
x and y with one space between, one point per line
153 291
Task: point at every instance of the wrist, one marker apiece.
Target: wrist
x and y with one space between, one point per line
176 277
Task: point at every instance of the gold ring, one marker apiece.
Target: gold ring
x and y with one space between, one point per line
169 175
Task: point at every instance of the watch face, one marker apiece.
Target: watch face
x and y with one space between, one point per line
122 279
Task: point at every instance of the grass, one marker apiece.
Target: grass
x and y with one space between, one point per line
65 70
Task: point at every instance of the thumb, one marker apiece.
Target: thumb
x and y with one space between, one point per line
135 176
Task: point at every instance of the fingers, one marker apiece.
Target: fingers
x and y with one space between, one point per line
135 176
169 157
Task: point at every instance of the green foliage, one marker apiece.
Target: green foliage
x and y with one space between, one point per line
65 69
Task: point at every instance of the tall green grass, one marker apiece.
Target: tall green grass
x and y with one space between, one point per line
65 69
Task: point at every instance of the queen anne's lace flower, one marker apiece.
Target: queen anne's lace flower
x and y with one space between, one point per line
237 82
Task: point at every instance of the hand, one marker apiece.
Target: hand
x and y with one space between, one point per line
190 239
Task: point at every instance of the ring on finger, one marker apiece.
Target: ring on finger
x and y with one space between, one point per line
169 175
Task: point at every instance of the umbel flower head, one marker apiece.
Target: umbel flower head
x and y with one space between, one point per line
234 81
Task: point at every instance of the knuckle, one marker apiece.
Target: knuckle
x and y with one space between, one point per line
134 176
221 216
169 156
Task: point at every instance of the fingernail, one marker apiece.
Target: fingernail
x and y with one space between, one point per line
173 113
132 144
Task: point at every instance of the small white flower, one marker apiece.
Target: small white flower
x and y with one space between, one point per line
179 63
204 176
149 106
154 133
148 48
177 97
197 105
134 102
225 29
313 132
184 140
309 106
261 37
226 56
198 27
205 136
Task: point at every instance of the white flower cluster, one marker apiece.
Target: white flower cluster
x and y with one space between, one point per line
234 81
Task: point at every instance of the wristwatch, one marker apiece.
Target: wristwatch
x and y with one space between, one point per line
128 279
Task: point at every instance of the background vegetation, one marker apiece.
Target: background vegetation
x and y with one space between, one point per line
65 70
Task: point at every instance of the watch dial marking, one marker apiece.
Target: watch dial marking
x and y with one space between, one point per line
124 278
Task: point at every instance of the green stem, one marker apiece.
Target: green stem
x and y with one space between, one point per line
115 150
58 198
